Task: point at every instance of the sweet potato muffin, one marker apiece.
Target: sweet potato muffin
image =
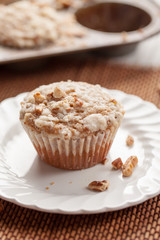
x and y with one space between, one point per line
71 124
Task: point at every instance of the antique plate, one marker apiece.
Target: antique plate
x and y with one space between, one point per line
24 177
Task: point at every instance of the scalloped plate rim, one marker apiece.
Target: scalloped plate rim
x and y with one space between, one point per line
125 204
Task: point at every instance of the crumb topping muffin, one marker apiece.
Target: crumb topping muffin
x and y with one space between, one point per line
29 24
70 110
23 24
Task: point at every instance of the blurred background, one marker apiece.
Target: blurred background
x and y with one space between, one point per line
146 52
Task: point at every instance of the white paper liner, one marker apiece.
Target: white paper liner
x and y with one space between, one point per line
72 153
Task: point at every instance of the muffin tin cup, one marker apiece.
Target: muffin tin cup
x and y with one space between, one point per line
72 154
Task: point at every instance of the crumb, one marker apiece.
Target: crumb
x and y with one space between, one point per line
129 165
130 141
117 163
47 188
99 186
52 183
70 182
105 160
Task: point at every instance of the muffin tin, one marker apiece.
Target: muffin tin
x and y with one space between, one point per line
112 25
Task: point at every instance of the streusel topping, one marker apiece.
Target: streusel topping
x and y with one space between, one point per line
70 109
27 24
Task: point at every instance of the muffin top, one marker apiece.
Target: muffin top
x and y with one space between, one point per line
70 109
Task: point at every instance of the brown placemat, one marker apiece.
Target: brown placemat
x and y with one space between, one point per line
138 222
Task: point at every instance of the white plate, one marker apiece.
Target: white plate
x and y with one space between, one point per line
24 177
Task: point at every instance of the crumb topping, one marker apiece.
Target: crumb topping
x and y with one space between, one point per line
29 24
70 109
62 4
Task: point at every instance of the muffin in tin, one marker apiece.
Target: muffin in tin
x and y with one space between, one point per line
71 124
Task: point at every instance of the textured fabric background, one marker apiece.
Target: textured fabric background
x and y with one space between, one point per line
138 222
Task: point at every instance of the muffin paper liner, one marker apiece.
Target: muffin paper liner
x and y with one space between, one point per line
72 154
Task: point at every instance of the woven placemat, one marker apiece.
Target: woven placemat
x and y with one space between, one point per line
138 222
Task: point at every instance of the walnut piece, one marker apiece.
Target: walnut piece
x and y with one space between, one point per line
39 98
58 93
38 109
129 165
117 163
99 186
130 141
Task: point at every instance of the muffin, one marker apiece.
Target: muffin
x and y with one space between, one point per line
28 24
71 124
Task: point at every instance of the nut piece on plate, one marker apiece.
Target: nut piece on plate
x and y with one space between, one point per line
129 165
130 141
117 163
99 186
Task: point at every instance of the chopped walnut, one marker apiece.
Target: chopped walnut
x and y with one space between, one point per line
50 96
117 163
130 141
39 109
99 186
39 98
70 91
78 103
58 93
129 165
28 118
